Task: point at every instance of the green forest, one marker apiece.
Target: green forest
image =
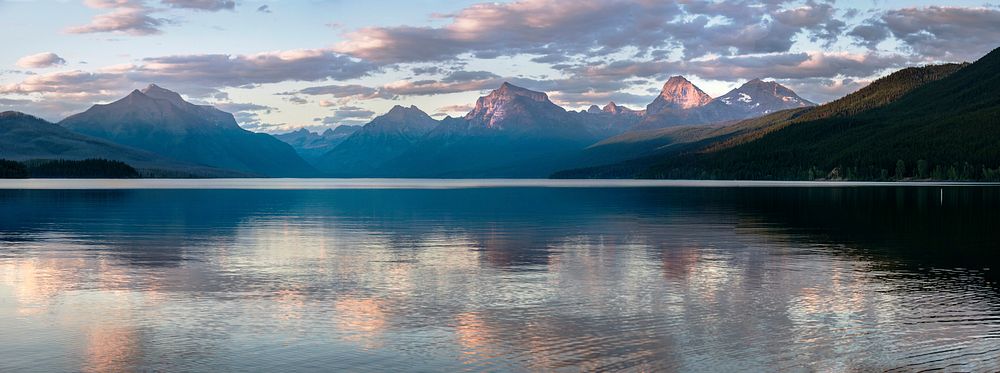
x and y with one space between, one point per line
67 169
928 123
947 129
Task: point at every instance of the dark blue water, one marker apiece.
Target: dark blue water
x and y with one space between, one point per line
501 279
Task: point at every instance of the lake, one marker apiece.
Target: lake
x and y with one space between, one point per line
497 275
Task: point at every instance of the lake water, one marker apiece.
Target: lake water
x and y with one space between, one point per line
376 275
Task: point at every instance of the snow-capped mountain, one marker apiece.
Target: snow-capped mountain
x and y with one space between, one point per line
682 103
757 97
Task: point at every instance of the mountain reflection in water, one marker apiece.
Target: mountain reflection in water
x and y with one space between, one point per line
678 279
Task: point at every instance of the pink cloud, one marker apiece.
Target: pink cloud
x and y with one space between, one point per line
40 60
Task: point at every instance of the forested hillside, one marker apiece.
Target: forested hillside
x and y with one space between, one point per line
67 169
933 122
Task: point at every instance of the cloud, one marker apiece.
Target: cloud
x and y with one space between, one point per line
823 90
794 65
460 81
195 75
427 70
132 20
67 83
869 34
51 110
344 91
936 32
344 94
224 70
40 60
233 107
466 81
348 113
818 19
297 100
544 27
247 114
112 4
206 72
205 5
557 30
135 17
453 109
590 51
587 98
777 66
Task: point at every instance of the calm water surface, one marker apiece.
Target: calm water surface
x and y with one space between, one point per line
500 278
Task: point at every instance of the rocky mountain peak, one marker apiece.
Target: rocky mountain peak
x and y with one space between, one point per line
401 118
507 91
678 93
594 109
400 113
159 93
503 102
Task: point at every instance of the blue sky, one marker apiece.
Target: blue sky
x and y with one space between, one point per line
281 65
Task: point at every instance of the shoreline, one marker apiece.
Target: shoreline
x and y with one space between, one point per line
369 183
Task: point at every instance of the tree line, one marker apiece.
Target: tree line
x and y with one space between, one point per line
69 169
921 170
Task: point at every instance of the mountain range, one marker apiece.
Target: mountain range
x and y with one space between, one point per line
383 139
681 103
24 137
311 145
517 132
932 122
161 122
924 122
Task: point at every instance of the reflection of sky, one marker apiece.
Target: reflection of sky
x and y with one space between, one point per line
597 280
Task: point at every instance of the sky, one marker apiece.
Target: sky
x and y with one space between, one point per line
289 64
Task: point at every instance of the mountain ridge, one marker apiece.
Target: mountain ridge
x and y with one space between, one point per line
24 137
860 136
682 103
163 123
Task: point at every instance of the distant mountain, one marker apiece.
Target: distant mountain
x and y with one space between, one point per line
381 140
514 110
511 132
160 121
24 137
932 116
312 145
682 103
614 109
610 120
757 97
943 129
